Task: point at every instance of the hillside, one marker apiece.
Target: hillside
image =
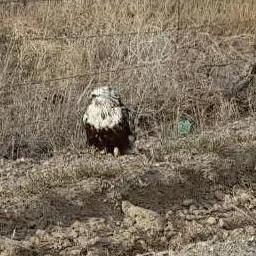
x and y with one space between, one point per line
167 59
201 190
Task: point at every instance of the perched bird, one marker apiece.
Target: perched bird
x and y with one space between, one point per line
109 125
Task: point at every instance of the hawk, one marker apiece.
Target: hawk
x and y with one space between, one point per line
109 125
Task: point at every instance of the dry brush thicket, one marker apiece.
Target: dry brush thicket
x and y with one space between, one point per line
194 63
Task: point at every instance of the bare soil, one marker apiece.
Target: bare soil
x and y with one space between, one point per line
191 195
184 201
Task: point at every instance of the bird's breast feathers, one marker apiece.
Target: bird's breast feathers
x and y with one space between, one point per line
103 116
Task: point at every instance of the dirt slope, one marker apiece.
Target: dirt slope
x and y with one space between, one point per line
199 189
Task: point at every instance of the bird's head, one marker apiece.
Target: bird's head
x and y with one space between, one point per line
105 92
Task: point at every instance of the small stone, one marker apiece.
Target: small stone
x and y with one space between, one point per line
192 208
219 195
227 199
221 223
163 239
46 163
82 240
190 217
187 202
73 234
244 198
250 230
169 214
143 244
32 224
185 211
20 160
40 233
58 234
211 221
66 243
169 227
116 152
216 207
169 230
96 252
74 252
118 223
225 235
206 206
103 152
199 212
252 204
76 224
97 241
176 207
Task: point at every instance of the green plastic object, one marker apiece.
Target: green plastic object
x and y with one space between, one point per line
185 126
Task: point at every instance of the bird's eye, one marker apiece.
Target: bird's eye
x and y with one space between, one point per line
93 95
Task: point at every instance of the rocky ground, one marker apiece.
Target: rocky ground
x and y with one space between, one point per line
188 196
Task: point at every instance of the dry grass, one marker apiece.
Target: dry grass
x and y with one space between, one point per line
187 71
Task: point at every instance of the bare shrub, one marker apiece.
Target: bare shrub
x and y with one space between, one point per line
51 58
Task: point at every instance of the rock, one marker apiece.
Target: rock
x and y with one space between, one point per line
219 195
250 230
169 231
188 202
66 243
79 227
76 224
116 152
199 212
192 208
35 240
190 217
20 160
96 241
176 207
181 215
221 223
169 227
75 252
118 223
227 200
216 207
169 214
40 233
185 211
97 252
14 248
58 234
72 252
46 163
144 219
211 221
82 241
206 206
244 198
73 234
